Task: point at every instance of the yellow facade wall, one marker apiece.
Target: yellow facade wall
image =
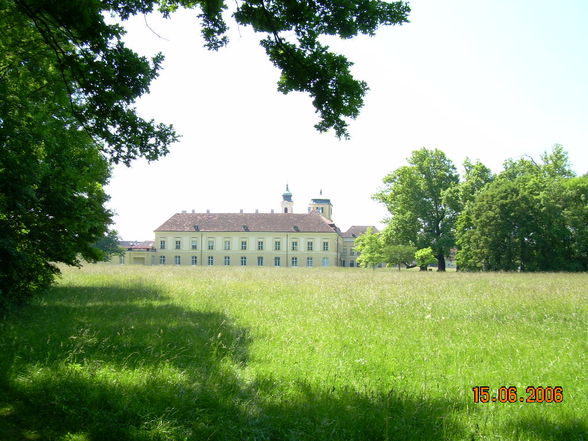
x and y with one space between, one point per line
180 244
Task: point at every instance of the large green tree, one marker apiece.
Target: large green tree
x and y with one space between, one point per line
67 90
51 172
475 178
415 197
532 217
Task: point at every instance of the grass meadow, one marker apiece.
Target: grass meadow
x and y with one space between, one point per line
172 353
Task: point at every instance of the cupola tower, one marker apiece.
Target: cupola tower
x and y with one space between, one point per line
322 205
287 202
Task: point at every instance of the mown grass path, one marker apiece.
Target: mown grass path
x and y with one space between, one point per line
162 353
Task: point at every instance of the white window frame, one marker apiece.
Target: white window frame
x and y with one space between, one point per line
178 244
310 245
277 245
309 262
325 245
277 261
177 260
210 244
162 260
194 244
162 244
326 261
210 261
260 245
227 245
227 260
294 245
194 260
294 261
259 260
243 260
243 245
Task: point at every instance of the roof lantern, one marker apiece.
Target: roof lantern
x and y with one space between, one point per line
287 196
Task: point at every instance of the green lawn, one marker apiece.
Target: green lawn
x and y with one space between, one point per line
169 353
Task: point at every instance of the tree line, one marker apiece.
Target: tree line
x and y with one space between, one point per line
531 216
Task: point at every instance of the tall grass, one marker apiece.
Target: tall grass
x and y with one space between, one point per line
135 353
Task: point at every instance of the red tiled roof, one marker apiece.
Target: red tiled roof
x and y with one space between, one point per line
256 222
358 230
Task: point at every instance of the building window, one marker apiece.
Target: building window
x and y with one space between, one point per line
243 260
162 260
352 263
177 260
227 244
211 244
325 246
260 245
294 245
259 260
194 260
277 245
277 261
194 244
309 261
210 260
122 259
227 260
178 244
162 244
294 261
243 245
325 261
309 246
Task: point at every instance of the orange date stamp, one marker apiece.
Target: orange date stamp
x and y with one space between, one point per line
533 394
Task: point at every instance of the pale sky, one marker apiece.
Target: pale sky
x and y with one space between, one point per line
489 80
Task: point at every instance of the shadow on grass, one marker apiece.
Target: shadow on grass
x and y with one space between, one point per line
117 363
547 430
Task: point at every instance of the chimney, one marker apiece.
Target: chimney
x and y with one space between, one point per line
272 211
256 211
208 210
193 211
183 211
241 211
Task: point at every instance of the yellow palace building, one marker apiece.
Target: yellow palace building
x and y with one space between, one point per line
282 239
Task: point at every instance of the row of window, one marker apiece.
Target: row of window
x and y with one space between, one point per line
260 245
243 261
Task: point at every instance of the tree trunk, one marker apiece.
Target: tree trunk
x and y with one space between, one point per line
423 268
441 262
